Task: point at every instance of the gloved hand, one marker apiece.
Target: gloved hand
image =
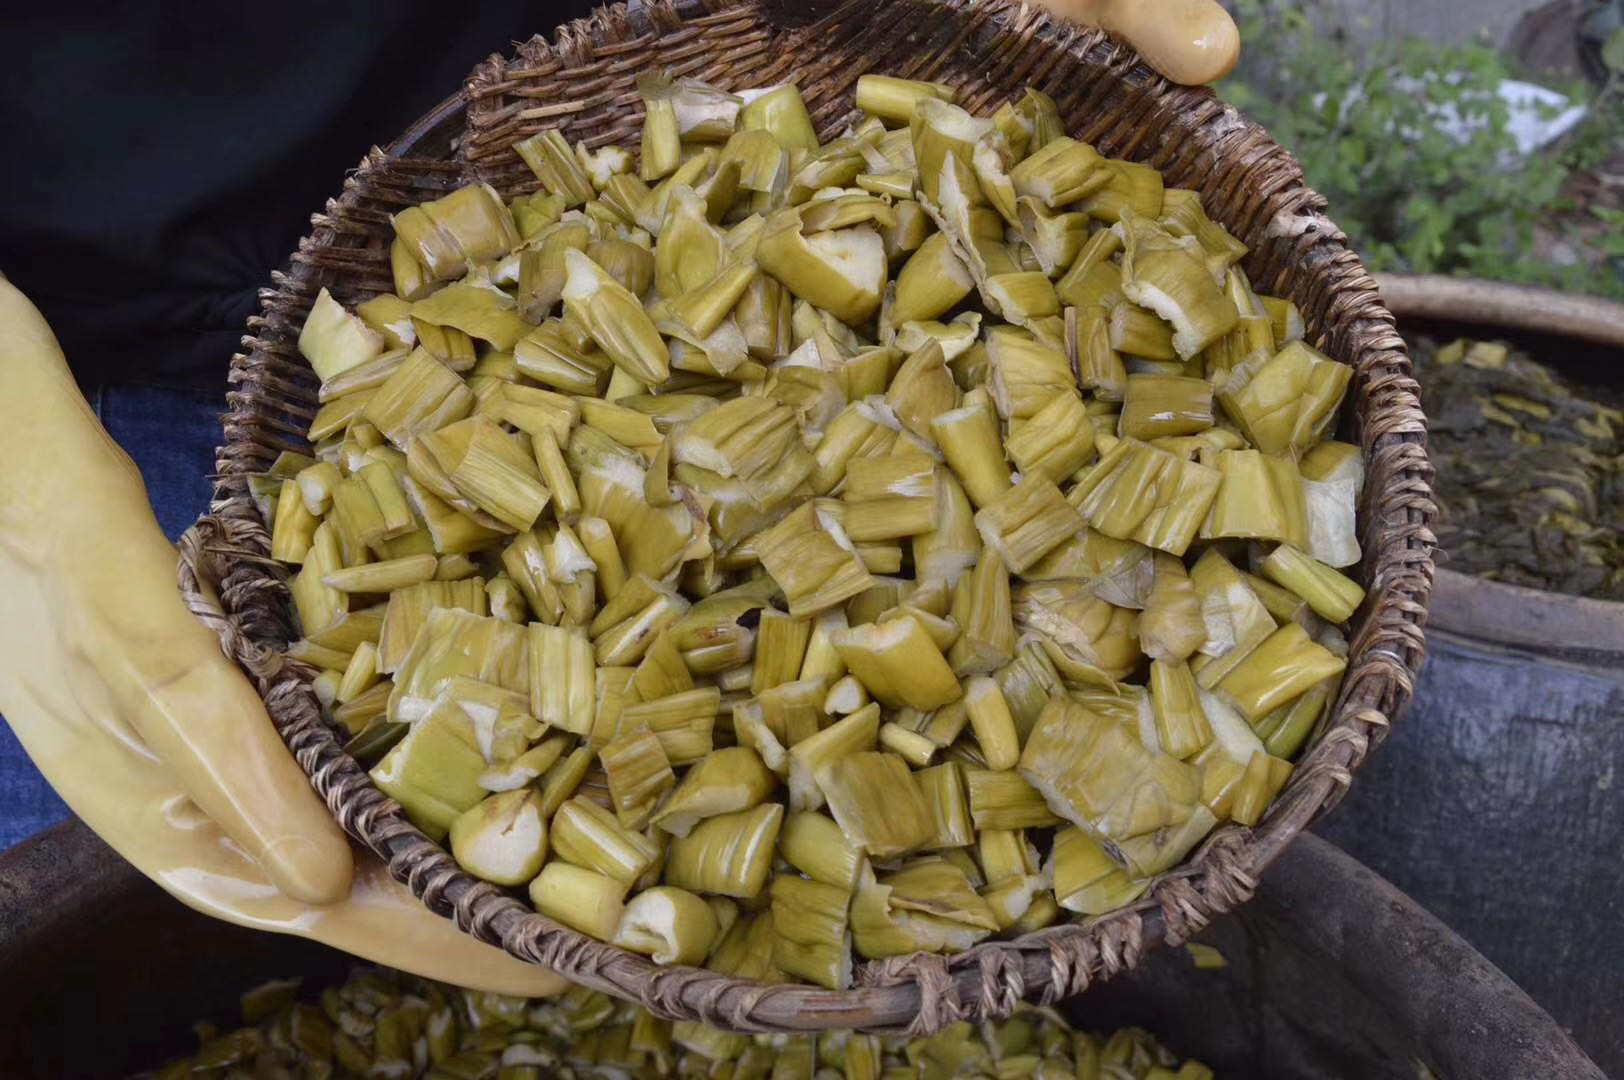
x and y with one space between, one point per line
1189 41
128 707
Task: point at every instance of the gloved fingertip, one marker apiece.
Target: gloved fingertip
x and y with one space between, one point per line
312 869
1193 42
1215 54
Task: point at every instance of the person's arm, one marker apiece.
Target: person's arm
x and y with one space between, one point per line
128 707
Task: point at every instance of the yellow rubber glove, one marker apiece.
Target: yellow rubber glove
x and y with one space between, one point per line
1189 41
128 707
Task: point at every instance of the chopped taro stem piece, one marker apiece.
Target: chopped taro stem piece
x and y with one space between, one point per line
672 926
877 803
730 854
1027 522
1137 492
1333 596
899 663
581 899
588 835
811 937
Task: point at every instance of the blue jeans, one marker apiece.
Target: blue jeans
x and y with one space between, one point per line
171 434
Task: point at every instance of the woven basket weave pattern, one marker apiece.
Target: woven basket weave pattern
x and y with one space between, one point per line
583 82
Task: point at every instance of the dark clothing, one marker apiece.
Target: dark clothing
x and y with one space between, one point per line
170 433
158 162
161 159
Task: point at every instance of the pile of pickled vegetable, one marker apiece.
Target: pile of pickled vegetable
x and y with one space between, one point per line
382 1023
765 550
1530 480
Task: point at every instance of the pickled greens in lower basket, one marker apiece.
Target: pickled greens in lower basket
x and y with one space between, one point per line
381 1022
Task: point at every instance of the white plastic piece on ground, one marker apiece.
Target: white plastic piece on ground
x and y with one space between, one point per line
1536 115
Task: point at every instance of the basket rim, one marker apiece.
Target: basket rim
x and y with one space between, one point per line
224 558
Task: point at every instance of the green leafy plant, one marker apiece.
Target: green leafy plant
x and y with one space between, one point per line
1375 125
1612 241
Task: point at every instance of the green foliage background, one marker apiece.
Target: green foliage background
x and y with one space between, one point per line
1411 198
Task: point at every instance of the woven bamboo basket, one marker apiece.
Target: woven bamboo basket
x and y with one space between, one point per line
582 81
